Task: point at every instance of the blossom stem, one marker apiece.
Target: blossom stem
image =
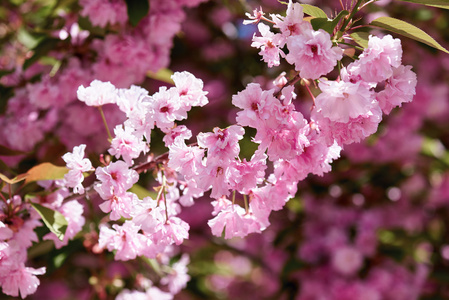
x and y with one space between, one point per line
290 82
369 2
245 200
3 198
351 15
105 123
358 26
233 197
164 194
311 95
10 191
267 20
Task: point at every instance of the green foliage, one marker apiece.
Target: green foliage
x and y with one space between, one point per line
407 30
313 11
163 75
326 24
142 192
361 38
43 47
53 219
14 180
435 3
45 171
137 10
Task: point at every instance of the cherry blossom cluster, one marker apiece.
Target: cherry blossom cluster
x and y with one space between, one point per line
18 221
347 110
16 236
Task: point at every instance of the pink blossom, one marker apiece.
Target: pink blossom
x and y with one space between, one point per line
399 88
230 219
102 12
185 159
260 212
250 173
119 205
135 102
340 101
25 236
177 229
5 232
115 178
126 144
269 45
376 62
255 18
283 137
257 105
292 23
222 142
77 164
131 100
190 190
353 131
147 214
220 204
312 53
98 93
315 159
21 280
190 90
272 196
179 132
125 239
234 221
177 279
44 94
166 106
217 175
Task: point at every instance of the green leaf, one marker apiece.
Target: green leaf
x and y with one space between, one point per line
162 75
142 192
137 10
319 23
326 24
435 3
361 38
84 23
45 171
45 46
16 179
29 39
54 220
313 11
337 19
407 30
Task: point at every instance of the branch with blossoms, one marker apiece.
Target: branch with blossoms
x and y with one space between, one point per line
349 106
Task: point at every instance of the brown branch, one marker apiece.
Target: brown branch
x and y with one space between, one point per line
290 82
